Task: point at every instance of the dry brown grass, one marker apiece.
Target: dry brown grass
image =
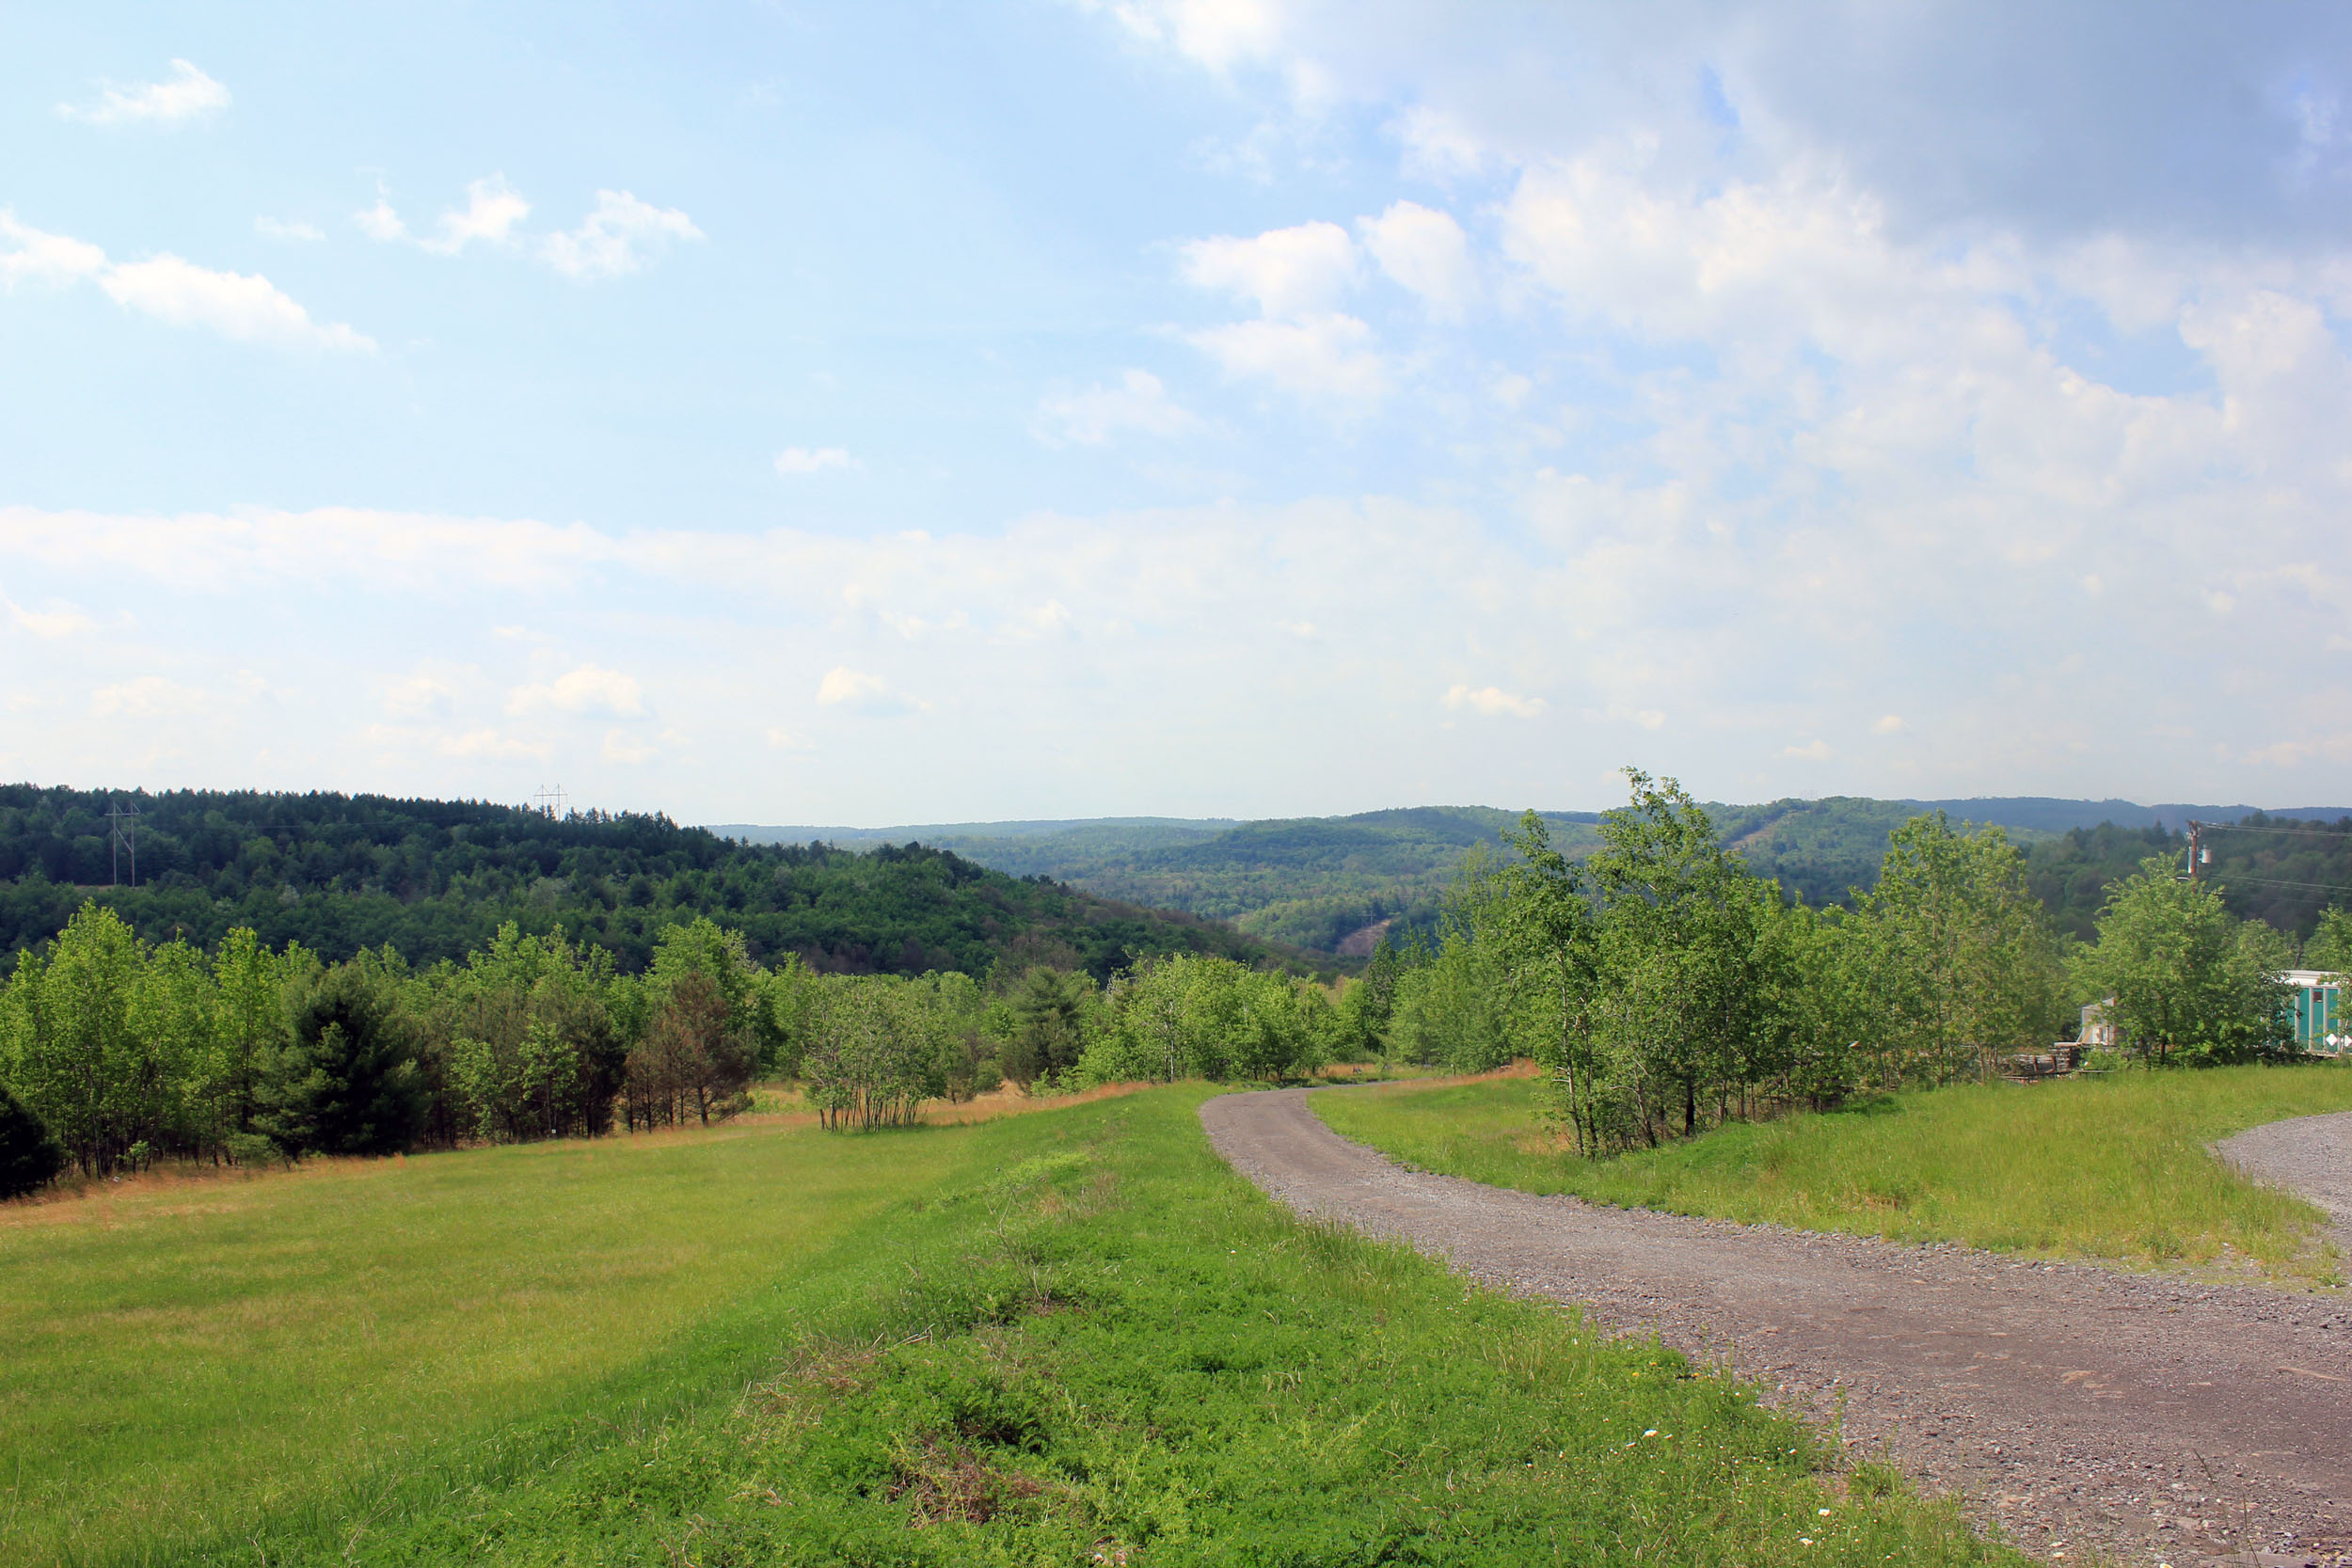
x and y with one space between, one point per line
940 1482
215 1189
1421 1078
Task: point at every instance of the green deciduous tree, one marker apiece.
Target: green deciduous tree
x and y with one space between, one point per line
1685 997
74 1053
1954 954
877 1049
2180 978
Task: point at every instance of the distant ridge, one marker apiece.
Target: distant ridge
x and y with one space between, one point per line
2046 814
1029 828
1336 884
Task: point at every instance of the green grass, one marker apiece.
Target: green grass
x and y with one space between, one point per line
2112 1168
178 1358
1067 1338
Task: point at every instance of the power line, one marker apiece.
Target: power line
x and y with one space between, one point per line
2274 881
123 833
2290 833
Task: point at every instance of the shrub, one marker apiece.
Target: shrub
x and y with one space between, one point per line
29 1157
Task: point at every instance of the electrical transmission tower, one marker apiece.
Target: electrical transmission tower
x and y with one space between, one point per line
122 835
549 801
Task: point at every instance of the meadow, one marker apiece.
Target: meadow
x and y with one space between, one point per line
1070 1337
2113 1168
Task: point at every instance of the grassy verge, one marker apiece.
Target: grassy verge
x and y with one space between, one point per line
1065 1338
2112 1168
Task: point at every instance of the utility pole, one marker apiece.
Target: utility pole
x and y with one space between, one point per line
2197 853
123 833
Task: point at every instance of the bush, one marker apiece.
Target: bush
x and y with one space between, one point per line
29 1157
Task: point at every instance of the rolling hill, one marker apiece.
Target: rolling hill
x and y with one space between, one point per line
1333 884
436 878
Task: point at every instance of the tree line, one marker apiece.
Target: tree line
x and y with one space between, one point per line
1661 983
1658 980
117 1052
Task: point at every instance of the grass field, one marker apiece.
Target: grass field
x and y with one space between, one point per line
1071 1337
2112 1168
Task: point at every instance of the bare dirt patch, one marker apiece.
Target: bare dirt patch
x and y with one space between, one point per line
2165 1418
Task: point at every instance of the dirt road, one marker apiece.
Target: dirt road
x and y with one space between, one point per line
2160 1417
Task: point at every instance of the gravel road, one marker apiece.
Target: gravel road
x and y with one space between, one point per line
2164 1418
2310 1156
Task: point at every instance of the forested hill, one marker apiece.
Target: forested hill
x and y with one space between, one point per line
436 878
1332 883
1313 881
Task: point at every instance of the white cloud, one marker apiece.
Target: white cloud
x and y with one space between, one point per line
1891 724
1492 702
1319 357
1511 389
1120 644
188 95
1285 272
39 258
245 306
862 693
489 745
1817 752
426 692
1298 344
619 747
242 305
380 222
146 697
278 228
813 460
492 210
1219 34
59 620
1092 416
1437 145
1424 250
617 237
589 688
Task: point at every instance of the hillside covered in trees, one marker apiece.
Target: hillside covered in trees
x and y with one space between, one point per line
435 878
1317 882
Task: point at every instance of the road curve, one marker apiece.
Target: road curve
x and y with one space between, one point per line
2309 1156
2070 1402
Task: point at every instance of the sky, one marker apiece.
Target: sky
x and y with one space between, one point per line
879 412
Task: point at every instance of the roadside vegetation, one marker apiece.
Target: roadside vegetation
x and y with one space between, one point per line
1664 988
1073 1337
2112 1169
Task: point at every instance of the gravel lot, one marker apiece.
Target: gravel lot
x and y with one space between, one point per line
2163 1418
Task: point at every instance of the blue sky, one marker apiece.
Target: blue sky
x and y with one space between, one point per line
872 413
